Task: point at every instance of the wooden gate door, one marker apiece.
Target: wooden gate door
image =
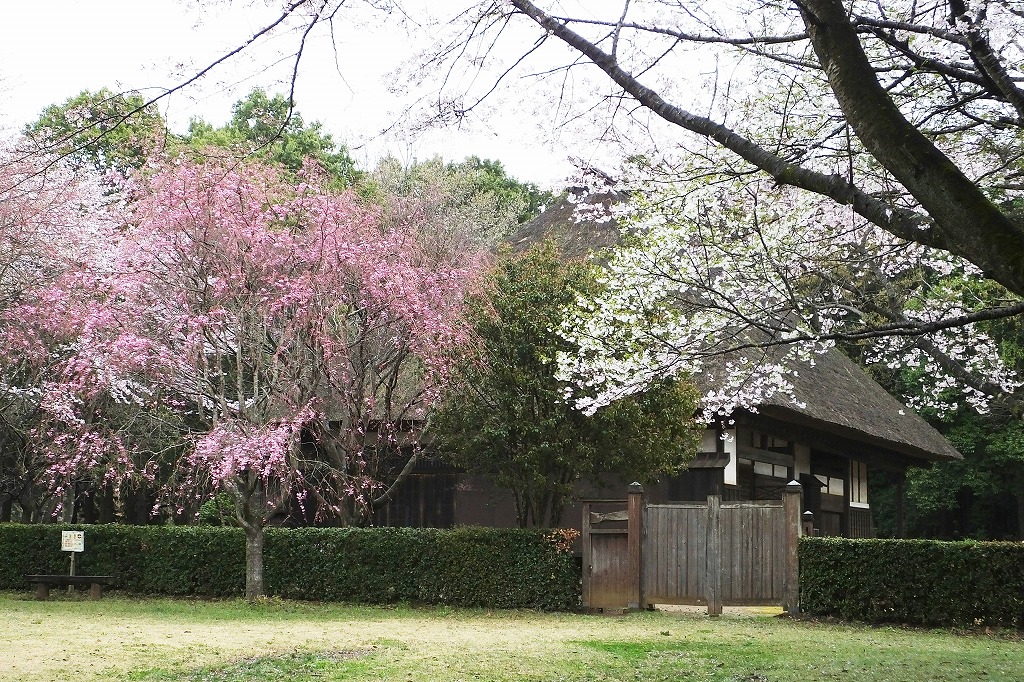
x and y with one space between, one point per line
675 553
611 552
740 553
607 579
716 553
753 552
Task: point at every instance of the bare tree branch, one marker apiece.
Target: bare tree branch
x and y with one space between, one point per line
901 222
54 145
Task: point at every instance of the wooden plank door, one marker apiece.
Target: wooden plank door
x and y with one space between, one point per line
606 569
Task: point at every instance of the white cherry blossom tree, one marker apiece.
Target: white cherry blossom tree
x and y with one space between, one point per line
738 280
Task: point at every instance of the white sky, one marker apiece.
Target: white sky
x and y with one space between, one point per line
50 52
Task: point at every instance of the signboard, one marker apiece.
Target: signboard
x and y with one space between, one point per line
72 541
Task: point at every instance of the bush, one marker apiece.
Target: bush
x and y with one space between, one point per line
495 568
173 560
369 565
500 568
920 582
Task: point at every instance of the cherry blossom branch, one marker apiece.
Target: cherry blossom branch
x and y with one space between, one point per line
990 65
903 328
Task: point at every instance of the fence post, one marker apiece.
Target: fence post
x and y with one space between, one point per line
808 517
713 578
634 538
901 503
588 555
791 581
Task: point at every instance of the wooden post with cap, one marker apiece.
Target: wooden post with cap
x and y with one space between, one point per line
791 580
808 523
634 539
713 560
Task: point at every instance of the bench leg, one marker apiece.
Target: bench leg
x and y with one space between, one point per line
42 591
96 591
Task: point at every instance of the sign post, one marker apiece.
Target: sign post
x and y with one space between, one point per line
72 541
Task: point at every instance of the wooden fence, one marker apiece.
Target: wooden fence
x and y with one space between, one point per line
718 553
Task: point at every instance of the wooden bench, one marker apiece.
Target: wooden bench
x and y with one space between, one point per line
95 582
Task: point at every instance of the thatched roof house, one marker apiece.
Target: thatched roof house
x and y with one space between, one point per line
843 425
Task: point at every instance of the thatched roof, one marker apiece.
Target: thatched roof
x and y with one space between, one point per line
836 394
574 238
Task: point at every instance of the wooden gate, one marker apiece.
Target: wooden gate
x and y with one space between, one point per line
740 553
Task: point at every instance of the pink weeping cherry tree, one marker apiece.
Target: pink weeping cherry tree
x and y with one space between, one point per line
53 221
262 309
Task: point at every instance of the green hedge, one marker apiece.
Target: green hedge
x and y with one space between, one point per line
497 568
920 582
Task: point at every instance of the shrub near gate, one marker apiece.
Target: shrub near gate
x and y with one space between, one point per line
502 568
495 568
920 582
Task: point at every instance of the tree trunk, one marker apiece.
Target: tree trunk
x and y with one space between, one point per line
70 505
251 512
254 561
555 517
520 499
107 505
971 224
403 475
5 509
87 506
528 506
137 510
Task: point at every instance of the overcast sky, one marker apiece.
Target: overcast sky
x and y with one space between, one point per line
52 51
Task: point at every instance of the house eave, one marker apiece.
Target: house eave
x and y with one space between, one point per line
902 453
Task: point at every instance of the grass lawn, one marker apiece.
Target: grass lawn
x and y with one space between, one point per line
70 638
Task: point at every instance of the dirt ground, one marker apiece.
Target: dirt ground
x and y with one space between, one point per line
81 640
118 638
734 611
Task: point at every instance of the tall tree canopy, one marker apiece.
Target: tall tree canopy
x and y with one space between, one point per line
105 130
488 177
471 204
123 131
270 128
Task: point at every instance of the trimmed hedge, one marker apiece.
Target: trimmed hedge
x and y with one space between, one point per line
496 568
919 582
